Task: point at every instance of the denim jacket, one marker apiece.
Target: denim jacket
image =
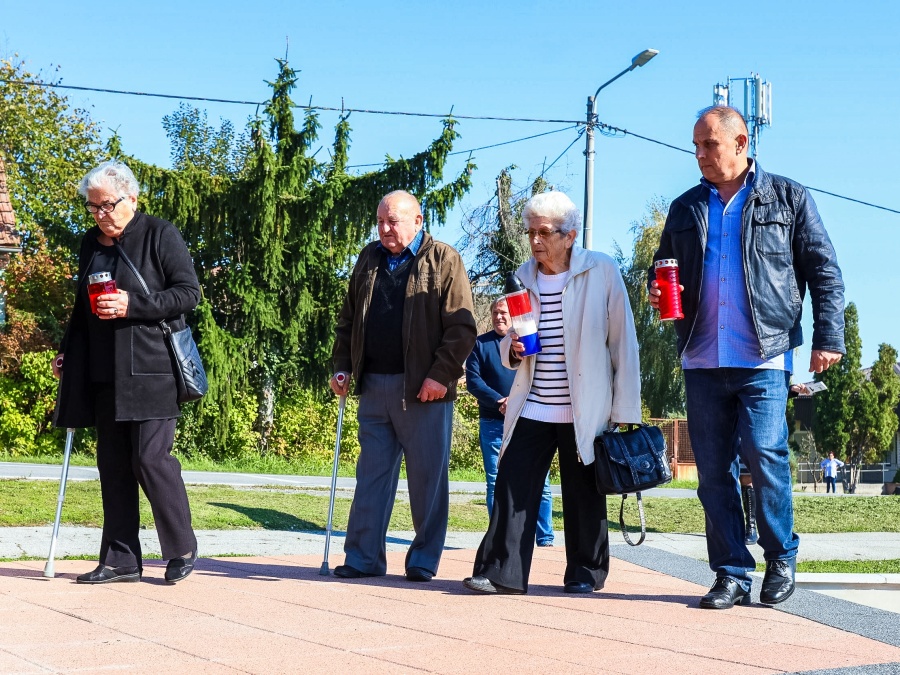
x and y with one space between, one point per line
785 249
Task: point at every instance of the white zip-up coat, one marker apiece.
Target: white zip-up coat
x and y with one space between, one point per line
602 359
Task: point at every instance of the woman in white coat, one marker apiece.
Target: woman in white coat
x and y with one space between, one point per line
586 376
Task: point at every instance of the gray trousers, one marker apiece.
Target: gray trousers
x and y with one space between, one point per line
387 434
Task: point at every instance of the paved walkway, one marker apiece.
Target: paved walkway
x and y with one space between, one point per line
274 613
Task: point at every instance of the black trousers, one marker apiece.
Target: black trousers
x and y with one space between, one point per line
131 454
506 551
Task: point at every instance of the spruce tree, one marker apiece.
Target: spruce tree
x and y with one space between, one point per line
274 242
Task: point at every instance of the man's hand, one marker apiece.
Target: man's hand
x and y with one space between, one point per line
340 383
502 403
821 360
431 390
654 294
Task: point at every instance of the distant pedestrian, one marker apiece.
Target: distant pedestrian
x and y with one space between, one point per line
489 381
403 333
830 467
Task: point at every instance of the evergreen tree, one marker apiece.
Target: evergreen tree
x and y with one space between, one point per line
834 407
662 382
274 242
874 420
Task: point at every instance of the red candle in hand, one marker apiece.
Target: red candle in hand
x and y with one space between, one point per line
667 280
100 284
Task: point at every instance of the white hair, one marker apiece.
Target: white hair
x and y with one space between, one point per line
112 174
555 206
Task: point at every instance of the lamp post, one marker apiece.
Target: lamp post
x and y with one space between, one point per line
636 62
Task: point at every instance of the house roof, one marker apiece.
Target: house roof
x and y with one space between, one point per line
8 236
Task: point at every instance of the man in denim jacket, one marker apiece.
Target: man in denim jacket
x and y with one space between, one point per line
748 245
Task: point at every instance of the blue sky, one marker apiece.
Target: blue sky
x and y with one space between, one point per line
834 68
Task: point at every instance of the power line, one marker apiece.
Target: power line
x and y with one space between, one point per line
344 110
483 147
295 105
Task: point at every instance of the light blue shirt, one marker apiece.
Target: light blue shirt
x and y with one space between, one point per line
394 261
724 335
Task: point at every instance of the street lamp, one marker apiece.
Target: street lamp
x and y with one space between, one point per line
636 62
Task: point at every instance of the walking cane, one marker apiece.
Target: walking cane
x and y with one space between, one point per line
340 378
48 568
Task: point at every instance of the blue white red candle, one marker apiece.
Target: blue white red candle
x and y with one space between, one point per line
524 325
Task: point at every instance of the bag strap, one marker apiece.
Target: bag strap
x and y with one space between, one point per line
640 513
121 251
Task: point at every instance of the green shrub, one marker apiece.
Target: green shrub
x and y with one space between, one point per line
306 426
196 436
27 399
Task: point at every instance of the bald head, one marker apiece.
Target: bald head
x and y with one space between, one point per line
730 118
399 220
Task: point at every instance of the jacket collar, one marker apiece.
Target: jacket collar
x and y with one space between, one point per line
581 261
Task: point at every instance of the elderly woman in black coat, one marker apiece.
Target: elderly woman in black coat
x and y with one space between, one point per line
117 375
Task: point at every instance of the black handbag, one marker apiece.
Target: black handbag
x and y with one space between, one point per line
628 462
190 376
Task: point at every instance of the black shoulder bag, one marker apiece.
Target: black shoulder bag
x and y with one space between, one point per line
190 376
628 462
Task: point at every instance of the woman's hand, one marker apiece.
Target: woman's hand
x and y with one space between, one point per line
112 305
57 366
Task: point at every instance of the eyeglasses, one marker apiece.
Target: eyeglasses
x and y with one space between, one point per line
105 207
541 234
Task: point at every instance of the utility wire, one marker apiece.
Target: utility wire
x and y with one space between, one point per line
343 110
483 147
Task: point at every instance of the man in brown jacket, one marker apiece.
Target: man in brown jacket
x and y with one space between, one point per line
403 334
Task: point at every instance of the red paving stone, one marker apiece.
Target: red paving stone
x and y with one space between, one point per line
277 615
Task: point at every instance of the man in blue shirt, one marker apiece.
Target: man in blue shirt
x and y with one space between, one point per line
748 245
830 467
489 382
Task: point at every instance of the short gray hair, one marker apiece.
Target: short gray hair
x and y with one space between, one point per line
496 302
729 117
112 174
557 207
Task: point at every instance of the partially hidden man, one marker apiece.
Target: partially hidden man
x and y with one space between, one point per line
403 334
749 244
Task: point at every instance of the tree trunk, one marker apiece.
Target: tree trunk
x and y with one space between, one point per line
266 418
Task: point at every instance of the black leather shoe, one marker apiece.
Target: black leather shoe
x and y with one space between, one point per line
179 568
725 594
418 574
578 587
106 575
347 572
485 585
778 584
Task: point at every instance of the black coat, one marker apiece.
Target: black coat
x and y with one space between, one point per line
785 249
143 367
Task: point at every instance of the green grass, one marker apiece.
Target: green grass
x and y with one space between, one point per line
845 566
29 503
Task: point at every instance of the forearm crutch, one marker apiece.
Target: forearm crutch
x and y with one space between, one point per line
48 568
340 378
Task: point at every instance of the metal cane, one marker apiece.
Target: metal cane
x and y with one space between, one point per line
340 378
48 568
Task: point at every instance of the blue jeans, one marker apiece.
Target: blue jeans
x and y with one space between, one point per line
490 435
752 402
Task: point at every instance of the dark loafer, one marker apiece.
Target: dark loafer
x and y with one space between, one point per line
107 575
179 568
778 584
725 594
484 585
578 587
418 574
347 572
